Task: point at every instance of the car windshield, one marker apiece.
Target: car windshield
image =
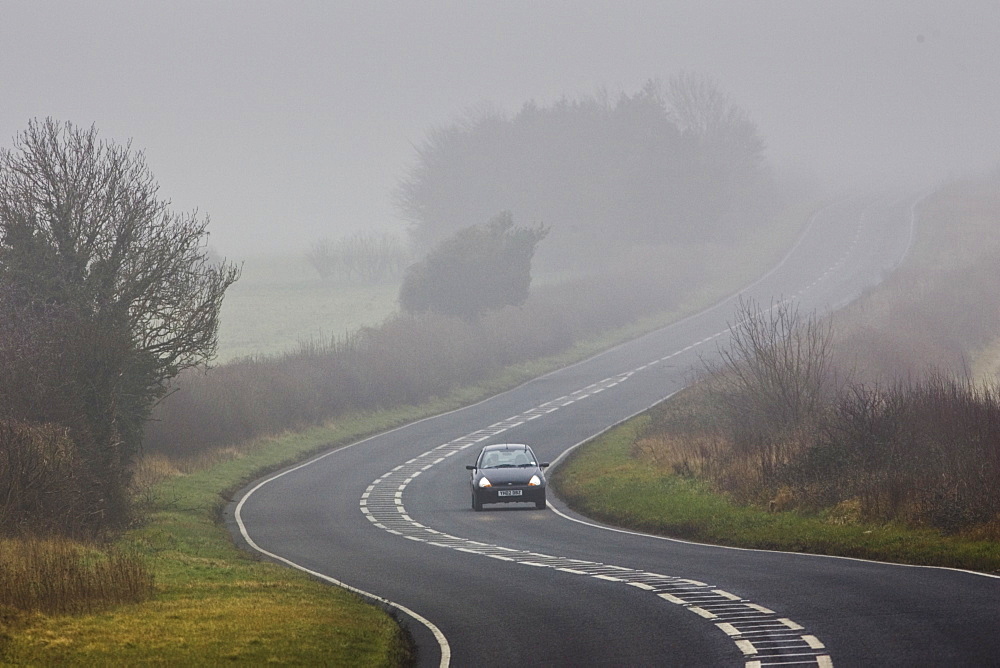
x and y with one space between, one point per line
498 459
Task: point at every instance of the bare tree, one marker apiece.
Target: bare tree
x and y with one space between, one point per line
726 169
772 384
363 256
705 112
85 238
81 223
778 366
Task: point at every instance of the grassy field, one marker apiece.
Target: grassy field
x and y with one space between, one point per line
280 301
604 481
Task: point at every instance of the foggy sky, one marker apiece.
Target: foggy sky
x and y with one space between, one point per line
290 121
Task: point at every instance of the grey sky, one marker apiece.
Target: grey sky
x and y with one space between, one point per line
288 121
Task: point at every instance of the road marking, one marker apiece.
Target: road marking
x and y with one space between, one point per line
726 594
698 610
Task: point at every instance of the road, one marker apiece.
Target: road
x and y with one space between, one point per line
391 517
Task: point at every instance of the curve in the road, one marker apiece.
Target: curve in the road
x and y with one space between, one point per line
761 634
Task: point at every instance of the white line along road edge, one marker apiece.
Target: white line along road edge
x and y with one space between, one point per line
438 635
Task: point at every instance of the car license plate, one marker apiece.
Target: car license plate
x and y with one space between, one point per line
509 492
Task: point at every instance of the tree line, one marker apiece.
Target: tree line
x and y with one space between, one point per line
672 163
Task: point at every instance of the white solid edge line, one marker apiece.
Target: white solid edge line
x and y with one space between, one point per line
438 635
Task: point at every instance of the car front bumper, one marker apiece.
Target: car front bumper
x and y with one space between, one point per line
510 494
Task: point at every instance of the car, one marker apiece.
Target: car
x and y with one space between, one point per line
507 473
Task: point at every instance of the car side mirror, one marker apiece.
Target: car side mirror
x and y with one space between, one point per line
541 466
471 468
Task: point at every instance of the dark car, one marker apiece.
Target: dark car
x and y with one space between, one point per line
507 473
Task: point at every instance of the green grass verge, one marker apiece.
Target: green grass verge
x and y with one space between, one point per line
602 480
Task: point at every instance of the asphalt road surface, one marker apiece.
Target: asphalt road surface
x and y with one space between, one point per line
391 517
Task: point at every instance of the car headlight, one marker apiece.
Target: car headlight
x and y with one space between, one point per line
483 482
535 481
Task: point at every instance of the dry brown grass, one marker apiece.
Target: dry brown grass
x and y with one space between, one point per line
692 455
925 453
57 575
152 469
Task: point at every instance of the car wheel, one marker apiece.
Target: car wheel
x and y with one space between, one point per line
540 504
476 505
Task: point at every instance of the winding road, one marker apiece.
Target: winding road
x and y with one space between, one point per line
390 517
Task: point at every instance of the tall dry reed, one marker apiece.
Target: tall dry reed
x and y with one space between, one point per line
56 576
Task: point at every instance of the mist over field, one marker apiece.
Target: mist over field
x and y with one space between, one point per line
291 122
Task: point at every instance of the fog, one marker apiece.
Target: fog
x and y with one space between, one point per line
287 122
